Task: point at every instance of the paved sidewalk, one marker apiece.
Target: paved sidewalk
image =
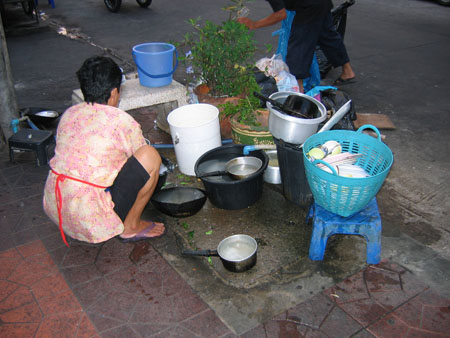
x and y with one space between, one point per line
116 290
147 289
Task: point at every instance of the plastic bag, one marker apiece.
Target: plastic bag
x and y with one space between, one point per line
272 66
314 79
286 82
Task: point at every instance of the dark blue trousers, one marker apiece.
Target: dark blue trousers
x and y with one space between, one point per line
302 43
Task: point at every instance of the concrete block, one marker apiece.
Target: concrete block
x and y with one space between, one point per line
133 95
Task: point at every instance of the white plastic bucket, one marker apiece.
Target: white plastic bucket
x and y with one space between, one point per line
195 130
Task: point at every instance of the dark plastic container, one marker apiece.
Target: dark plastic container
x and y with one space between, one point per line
223 191
292 171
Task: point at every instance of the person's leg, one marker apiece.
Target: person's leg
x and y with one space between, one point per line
150 159
347 72
331 43
301 47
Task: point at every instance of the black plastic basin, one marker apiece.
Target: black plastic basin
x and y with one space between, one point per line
223 191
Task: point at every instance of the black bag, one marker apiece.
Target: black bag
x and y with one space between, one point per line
335 99
268 84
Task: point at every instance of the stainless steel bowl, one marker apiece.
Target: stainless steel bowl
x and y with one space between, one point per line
293 129
272 173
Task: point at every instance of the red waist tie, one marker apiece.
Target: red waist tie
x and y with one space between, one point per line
58 196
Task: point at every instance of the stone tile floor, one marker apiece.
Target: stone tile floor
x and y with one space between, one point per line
116 290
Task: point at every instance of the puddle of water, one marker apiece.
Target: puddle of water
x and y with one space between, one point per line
140 249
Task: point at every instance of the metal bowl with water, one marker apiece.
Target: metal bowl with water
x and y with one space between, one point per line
179 201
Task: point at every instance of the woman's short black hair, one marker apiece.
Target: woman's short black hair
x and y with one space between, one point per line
98 76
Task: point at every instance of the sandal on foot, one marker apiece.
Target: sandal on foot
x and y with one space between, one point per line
142 234
340 81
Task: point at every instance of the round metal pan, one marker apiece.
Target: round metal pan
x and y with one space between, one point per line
179 201
238 253
238 168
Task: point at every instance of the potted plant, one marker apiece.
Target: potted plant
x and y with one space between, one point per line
219 60
248 121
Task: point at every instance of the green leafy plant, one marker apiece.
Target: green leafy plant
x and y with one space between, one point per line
246 108
219 56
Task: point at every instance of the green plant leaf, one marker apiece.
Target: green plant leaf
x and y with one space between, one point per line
219 53
185 225
210 261
208 232
191 234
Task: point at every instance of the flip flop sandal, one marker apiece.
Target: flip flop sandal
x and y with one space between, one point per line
142 234
340 82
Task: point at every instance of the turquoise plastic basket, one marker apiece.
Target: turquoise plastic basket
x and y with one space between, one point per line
346 196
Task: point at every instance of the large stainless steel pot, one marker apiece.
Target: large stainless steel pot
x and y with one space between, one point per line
293 129
238 252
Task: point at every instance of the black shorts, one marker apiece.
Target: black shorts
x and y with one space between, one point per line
303 41
130 180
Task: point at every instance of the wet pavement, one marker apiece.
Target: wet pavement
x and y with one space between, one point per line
149 289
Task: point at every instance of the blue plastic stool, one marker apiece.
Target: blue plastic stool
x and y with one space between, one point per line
366 223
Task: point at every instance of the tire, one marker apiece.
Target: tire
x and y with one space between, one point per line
144 3
444 2
113 5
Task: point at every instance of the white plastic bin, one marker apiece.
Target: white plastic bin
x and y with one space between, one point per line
195 129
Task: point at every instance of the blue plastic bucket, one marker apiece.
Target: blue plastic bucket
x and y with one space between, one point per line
154 61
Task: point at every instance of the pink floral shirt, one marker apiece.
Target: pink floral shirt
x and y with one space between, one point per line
93 142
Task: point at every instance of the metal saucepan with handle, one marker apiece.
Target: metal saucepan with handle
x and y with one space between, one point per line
238 252
238 168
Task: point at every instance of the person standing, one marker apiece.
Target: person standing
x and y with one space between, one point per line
312 26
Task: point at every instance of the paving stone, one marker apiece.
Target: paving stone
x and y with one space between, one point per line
7 288
28 273
60 325
30 249
389 326
148 330
80 255
339 324
80 274
364 311
155 309
19 330
24 237
65 302
175 332
115 304
107 265
24 313
103 323
49 286
206 324
88 293
350 290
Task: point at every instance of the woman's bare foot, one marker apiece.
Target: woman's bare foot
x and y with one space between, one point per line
155 229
